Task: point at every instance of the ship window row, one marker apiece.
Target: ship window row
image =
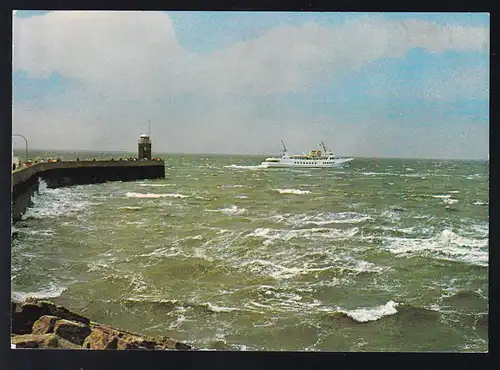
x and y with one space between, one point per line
312 162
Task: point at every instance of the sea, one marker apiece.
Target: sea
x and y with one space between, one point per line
386 255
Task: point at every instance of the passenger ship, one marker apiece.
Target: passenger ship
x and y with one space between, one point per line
315 159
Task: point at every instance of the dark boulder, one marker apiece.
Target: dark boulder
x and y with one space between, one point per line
99 339
42 341
25 314
73 331
44 325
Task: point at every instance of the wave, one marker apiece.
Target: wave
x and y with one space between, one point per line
479 203
232 210
390 310
153 185
323 218
233 186
51 203
256 167
366 314
52 291
447 245
271 235
293 191
377 173
130 208
153 195
174 304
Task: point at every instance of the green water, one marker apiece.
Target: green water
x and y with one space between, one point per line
387 255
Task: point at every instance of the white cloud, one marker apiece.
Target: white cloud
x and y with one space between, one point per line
136 54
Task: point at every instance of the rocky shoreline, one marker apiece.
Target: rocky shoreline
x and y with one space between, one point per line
39 323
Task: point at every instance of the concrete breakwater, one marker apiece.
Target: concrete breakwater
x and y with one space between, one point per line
41 324
25 181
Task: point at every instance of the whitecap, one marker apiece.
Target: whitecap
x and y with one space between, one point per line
441 196
51 291
130 208
479 203
447 245
153 185
50 203
232 210
323 218
293 191
153 196
256 167
271 235
366 314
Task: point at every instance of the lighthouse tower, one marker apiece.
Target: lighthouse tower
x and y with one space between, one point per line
144 147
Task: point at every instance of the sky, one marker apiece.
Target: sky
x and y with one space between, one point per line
406 85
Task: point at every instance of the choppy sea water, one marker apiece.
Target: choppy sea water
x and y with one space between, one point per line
387 255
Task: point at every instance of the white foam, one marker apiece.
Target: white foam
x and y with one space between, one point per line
216 308
271 235
153 185
233 186
293 191
447 245
323 218
479 203
241 196
50 203
450 201
153 196
232 210
376 173
130 208
52 291
373 313
257 167
442 196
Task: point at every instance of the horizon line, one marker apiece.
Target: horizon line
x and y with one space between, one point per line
240 154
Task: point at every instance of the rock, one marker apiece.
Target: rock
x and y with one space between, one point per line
73 331
134 342
41 341
99 339
25 314
44 325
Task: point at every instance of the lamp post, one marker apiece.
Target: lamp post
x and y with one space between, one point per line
26 141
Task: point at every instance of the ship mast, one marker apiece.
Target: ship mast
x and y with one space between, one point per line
324 147
284 147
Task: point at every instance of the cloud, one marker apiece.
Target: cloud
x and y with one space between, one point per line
134 54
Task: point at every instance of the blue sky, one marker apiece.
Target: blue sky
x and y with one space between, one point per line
369 84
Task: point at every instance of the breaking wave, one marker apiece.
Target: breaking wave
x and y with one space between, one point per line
51 291
293 191
51 203
325 218
257 167
447 245
371 313
153 195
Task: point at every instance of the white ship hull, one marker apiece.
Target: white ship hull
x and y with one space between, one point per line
306 163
